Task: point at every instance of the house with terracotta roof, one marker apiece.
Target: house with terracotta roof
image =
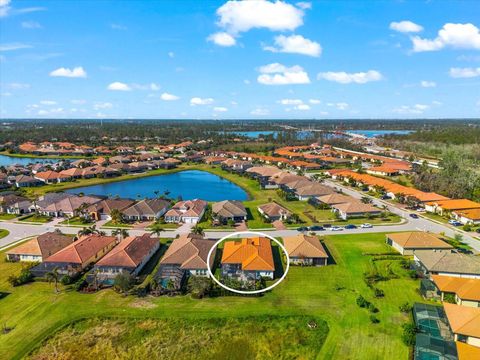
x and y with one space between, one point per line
26 181
447 263
14 204
186 256
67 205
465 290
355 208
188 212
236 165
407 242
129 256
464 323
444 207
51 177
103 209
469 216
273 211
331 199
229 210
263 174
39 248
146 210
382 170
76 257
305 250
248 259
467 351
309 191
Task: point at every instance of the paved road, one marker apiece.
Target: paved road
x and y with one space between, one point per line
21 231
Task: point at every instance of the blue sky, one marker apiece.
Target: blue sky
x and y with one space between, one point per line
253 59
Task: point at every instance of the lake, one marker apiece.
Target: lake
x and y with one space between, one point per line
376 133
189 184
302 135
6 160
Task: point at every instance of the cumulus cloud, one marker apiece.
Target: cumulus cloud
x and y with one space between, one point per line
339 105
118 27
428 84
4 7
102 105
302 107
290 101
304 5
295 44
220 109
343 77
314 101
278 74
151 86
464 72
260 112
118 86
201 101
48 102
76 72
411 109
457 36
168 97
235 17
405 26
222 39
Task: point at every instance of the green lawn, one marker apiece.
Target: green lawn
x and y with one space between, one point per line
3 233
35 312
36 218
113 224
76 221
5 216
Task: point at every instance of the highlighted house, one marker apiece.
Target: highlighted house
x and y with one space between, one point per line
248 259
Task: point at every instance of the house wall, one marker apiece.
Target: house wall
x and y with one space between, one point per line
469 303
199 272
308 261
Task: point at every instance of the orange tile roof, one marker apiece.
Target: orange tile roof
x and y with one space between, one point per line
456 204
31 247
465 288
463 320
254 254
467 351
472 214
418 240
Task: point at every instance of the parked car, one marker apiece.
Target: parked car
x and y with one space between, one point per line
385 197
316 228
337 228
302 229
326 226
414 216
366 226
350 226
478 230
456 223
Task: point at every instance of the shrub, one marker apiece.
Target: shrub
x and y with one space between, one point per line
413 274
467 227
372 308
374 319
409 333
362 302
405 308
66 279
24 277
449 298
379 293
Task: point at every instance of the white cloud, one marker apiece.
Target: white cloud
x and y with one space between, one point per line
168 97
4 7
428 84
246 82
278 74
408 109
31 25
459 36
48 102
102 105
295 44
18 86
314 101
220 109
118 27
77 72
346 78
302 107
201 101
405 26
222 39
78 101
304 5
260 112
171 54
290 102
14 46
242 16
119 86
464 72
339 105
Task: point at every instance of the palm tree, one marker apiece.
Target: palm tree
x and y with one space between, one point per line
198 230
53 276
366 200
123 233
116 216
156 229
90 231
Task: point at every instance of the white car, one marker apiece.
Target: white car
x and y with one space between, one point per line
336 228
366 226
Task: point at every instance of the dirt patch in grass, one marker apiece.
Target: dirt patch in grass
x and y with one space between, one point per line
142 304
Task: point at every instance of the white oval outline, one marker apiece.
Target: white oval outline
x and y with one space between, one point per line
214 247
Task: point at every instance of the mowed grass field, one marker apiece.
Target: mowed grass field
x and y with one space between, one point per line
35 313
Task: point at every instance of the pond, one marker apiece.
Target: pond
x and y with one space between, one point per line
6 160
188 184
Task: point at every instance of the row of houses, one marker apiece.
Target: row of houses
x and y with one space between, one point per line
453 278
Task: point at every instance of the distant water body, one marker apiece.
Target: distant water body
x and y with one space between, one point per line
306 133
188 184
6 160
